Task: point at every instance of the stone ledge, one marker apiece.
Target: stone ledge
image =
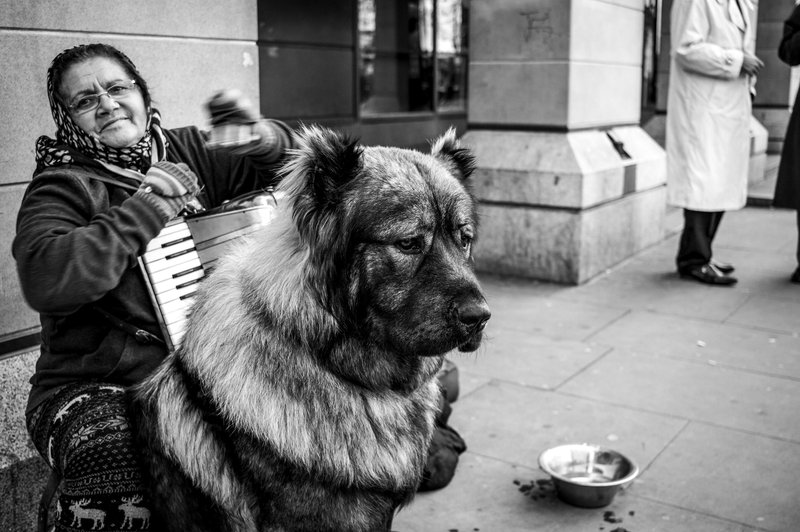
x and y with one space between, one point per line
572 170
23 473
22 483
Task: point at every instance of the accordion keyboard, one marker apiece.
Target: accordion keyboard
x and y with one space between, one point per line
184 252
174 270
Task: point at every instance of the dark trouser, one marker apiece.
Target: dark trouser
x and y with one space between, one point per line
798 237
699 229
83 432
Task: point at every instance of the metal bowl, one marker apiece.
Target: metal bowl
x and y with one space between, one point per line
587 475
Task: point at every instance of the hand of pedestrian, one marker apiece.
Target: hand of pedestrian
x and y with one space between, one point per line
751 64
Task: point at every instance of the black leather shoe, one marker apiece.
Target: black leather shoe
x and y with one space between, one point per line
709 274
724 267
795 278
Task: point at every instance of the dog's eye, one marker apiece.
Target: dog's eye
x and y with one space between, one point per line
410 245
466 237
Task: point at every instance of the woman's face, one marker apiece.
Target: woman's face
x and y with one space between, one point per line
116 123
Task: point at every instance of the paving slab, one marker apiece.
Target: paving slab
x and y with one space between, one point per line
515 423
729 345
649 282
528 358
540 314
748 478
759 230
700 391
775 312
469 382
489 495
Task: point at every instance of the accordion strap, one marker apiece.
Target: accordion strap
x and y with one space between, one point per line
141 336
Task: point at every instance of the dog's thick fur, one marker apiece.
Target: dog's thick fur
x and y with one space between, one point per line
304 394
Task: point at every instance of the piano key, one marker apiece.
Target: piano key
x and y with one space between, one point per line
176 309
169 233
177 340
165 294
173 264
173 248
167 280
177 328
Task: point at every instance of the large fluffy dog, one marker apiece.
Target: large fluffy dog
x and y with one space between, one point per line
304 395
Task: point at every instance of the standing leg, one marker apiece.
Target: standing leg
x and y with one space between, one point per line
714 219
694 253
83 432
695 245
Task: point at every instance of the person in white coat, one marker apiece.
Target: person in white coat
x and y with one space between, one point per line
712 76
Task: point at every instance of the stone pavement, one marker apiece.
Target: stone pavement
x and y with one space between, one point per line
700 385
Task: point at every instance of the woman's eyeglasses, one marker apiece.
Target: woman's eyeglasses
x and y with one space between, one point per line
88 102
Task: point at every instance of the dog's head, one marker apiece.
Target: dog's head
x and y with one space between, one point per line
389 233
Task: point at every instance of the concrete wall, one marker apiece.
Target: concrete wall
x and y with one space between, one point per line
552 63
186 50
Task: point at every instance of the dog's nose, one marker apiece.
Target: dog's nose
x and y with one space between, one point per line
474 314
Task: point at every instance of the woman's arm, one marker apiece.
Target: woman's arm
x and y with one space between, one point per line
71 248
275 138
230 172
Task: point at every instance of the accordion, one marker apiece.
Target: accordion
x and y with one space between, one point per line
184 252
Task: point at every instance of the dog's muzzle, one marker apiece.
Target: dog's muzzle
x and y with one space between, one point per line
472 315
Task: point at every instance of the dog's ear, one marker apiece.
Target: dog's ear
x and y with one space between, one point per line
318 175
449 151
329 159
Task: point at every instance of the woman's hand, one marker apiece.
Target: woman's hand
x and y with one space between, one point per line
234 121
168 187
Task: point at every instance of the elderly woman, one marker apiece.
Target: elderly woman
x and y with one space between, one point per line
102 189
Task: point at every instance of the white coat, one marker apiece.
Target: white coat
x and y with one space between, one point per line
708 104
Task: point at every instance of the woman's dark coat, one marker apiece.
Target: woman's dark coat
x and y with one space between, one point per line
77 243
787 187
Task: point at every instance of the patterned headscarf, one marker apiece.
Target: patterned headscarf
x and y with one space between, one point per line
71 138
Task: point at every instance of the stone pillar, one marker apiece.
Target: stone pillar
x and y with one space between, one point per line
568 182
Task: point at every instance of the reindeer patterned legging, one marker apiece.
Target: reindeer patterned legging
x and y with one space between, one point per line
83 433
